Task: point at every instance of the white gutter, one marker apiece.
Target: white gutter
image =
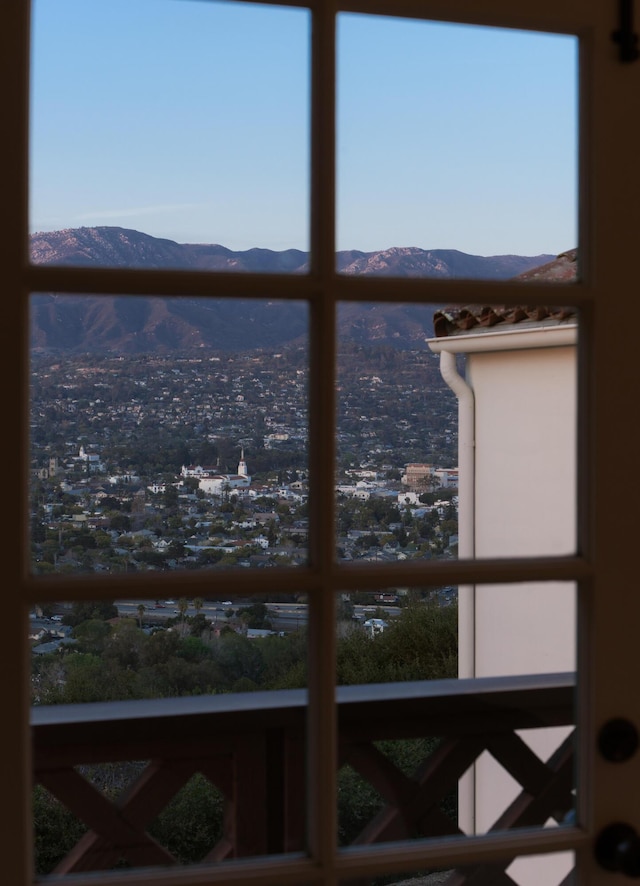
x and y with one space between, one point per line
509 339
466 507
466 550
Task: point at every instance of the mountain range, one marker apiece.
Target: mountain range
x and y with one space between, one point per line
130 325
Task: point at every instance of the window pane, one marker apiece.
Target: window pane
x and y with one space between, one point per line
184 121
202 749
455 143
517 439
443 760
456 431
167 434
397 437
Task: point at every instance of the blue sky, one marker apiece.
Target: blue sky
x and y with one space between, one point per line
189 120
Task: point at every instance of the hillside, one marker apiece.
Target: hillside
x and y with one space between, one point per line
141 325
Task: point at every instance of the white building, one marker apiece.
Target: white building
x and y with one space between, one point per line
375 626
90 459
517 498
218 484
408 498
447 477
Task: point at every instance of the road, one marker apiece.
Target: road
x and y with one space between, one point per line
284 616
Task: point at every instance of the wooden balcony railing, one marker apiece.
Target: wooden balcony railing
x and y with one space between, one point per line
251 746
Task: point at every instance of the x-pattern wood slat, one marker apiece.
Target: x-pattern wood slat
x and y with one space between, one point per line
410 801
517 758
255 754
112 835
118 827
411 804
553 797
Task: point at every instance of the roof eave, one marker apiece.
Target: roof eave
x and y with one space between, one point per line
541 336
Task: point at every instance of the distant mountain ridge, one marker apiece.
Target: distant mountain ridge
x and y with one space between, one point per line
139 325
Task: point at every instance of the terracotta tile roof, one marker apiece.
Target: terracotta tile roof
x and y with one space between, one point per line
460 319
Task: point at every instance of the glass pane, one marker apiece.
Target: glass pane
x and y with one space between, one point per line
457 148
396 635
517 436
396 437
522 629
202 749
444 760
456 431
167 434
170 134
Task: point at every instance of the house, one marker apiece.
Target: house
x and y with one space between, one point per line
409 499
375 626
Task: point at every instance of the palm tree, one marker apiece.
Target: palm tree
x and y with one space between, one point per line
198 603
140 613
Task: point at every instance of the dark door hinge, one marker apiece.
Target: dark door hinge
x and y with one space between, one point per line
625 36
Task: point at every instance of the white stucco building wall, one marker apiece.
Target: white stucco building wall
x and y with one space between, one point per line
517 498
525 503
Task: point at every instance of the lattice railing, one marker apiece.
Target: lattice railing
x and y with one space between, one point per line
252 748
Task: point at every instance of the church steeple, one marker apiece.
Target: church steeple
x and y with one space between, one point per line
242 465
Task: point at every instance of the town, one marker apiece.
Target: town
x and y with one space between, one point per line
154 462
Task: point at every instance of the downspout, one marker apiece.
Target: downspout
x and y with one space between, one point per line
466 501
466 550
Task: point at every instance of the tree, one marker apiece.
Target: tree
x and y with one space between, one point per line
199 624
81 611
192 823
56 830
120 522
421 644
92 636
345 610
170 497
272 533
123 649
255 616
159 648
140 613
183 605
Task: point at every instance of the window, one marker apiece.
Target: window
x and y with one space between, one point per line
605 566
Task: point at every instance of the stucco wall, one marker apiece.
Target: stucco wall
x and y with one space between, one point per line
525 504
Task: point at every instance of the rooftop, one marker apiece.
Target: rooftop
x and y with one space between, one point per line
460 319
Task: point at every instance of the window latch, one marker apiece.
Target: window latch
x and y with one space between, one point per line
625 36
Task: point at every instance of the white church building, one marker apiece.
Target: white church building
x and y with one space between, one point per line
211 482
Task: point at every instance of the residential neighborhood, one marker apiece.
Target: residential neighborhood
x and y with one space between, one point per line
142 463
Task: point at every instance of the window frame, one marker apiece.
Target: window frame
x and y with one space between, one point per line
605 565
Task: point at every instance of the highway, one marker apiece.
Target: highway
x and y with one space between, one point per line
284 616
